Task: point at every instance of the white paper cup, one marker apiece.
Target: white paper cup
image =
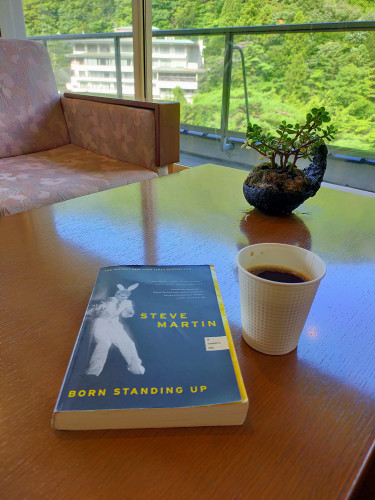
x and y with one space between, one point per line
273 314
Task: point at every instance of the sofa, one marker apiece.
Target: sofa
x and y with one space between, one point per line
53 148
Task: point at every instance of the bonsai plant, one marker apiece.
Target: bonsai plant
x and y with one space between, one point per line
277 186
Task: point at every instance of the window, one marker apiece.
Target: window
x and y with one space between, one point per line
181 77
98 74
335 68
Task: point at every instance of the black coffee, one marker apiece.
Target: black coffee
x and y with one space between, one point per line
279 274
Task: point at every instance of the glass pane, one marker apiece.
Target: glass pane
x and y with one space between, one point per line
270 77
88 64
288 74
181 14
178 71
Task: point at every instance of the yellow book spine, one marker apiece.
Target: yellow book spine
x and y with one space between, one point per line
232 350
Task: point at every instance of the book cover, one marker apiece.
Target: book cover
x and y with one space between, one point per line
154 350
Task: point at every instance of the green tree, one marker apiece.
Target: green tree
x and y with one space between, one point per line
41 18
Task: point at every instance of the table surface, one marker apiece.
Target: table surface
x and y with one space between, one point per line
310 426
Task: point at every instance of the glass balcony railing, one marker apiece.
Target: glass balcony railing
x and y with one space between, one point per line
225 77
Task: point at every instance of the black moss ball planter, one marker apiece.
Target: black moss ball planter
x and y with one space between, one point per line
273 202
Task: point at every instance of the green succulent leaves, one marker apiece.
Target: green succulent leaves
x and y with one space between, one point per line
292 141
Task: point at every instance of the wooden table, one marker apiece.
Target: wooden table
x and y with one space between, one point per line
310 427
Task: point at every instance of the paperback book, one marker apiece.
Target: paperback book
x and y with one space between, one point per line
154 350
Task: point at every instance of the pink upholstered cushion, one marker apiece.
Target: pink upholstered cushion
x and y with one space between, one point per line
120 132
43 178
31 117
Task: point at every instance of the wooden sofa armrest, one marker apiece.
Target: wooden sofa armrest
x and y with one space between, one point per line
166 126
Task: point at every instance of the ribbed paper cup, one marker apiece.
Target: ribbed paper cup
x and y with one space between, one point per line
273 314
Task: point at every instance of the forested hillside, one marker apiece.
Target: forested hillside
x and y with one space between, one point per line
48 17
286 74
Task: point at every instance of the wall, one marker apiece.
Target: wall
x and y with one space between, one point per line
12 23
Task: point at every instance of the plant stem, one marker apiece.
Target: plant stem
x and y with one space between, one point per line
312 125
281 136
295 160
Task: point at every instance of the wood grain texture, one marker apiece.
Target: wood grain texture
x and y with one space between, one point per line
310 427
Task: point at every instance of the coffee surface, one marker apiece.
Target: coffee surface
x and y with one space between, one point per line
279 274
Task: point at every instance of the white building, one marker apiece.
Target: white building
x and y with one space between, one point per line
175 63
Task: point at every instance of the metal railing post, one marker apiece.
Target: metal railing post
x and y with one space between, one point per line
244 80
225 102
118 67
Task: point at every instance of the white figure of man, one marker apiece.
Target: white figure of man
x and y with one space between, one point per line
107 330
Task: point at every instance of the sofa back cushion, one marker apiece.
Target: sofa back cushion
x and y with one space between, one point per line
31 116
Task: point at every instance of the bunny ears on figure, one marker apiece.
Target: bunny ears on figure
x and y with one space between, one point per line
125 292
131 287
